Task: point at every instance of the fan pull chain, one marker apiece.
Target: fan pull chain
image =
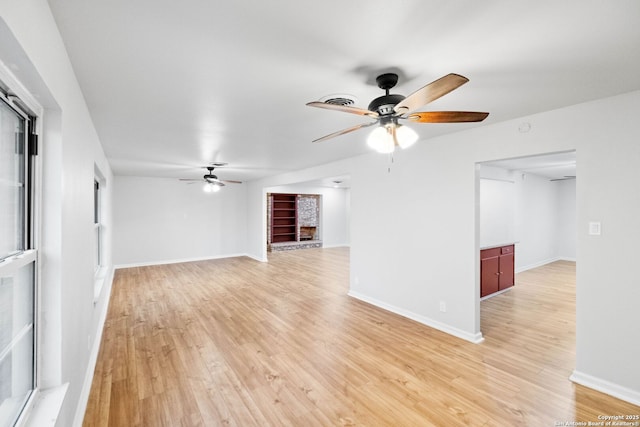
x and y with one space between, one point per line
390 162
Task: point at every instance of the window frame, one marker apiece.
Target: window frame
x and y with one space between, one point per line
28 253
97 224
100 266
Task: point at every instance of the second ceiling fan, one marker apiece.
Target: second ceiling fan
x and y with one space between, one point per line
211 182
388 109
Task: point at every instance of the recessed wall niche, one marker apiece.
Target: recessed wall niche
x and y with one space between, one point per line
293 221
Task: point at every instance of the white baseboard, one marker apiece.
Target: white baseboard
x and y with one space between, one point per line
541 263
339 245
260 259
612 389
474 338
181 260
496 293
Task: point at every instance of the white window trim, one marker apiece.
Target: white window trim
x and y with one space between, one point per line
102 269
43 407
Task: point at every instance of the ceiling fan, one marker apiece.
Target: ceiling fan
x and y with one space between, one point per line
388 109
211 182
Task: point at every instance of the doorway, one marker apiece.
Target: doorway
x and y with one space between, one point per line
330 198
528 203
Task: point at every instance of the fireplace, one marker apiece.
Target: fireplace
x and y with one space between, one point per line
308 233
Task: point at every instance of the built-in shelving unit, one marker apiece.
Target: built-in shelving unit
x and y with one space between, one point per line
284 218
292 221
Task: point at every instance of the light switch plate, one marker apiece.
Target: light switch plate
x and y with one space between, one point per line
595 228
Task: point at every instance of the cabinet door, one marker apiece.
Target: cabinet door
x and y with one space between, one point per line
506 271
489 275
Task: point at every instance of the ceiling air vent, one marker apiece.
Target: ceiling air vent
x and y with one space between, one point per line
339 99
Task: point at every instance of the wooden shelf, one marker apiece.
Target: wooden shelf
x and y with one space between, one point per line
284 218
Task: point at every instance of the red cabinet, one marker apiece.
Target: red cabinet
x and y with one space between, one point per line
496 269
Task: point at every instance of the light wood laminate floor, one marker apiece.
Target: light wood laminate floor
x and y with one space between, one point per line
243 343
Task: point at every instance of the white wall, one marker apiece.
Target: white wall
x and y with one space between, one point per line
335 220
608 288
537 214
537 221
497 211
425 249
334 211
159 220
566 208
70 321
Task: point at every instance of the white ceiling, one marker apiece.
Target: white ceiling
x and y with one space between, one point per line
175 85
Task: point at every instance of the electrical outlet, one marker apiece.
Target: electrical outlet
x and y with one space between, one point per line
595 228
443 306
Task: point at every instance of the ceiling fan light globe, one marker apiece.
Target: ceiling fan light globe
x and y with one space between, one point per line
210 187
406 136
381 140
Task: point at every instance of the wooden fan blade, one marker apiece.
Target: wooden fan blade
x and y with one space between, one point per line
430 93
190 179
230 181
343 131
344 108
447 116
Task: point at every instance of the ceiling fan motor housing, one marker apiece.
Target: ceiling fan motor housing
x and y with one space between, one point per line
210 176
384 104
